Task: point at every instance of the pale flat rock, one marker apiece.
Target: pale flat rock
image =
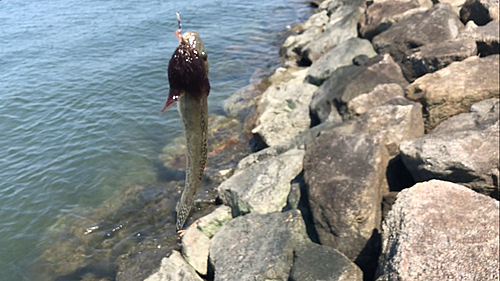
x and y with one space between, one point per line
211 223
263 187
195 248
381 94
438 230
174 268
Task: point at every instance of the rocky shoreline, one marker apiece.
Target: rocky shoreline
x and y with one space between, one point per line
376 153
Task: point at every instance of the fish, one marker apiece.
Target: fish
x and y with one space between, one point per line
189 88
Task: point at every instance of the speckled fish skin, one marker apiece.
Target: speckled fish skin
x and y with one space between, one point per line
189 86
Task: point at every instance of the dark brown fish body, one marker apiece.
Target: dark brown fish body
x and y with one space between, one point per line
189 86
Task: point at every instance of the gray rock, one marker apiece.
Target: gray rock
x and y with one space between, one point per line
432 26
349 82
263 187
341 55
487 37
195 248
340 32
452 90
257 247
293 45
174 268
434 56
381 94
479 11
379 16
455 4
345 182
463 149
440 231
316 20
284 111
211 223
314 262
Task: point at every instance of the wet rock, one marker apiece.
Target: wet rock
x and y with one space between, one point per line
452 90
463 149
195 247
345 179
283 111
435 25
263 187
341 55
340 32
379 16
257 247
316 262
434 56
487 37
174 268
348 82
440 231
381 94
479 11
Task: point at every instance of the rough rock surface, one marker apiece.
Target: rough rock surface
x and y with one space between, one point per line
344 179
257 247
452 90
349 82
284 111
434 25
379 16
210 223
263 187
479 11
174 268
463 149
341 31
440 231
314 262
381 94
487 37
195 247
434 56
341 55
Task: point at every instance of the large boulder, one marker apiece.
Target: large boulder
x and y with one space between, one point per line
340 32
341 55
257 247
314 262
437 24
487 37
434 56
452 90
463 149
379 16
263 187
284 111
479 11
348 82
440 231
174 268
381 94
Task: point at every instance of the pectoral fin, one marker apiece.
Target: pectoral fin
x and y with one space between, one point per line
173 97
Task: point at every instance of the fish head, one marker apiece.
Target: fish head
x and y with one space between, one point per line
188 69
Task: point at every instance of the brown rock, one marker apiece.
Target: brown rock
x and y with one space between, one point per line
454 89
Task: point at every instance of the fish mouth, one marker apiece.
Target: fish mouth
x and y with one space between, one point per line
187 69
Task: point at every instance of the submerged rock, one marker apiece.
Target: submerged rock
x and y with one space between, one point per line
257 247
314 262
463 149
452 90
438 230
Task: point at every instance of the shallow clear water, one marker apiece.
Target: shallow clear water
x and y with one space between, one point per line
81 87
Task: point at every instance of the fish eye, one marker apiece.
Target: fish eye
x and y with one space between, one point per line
203 55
